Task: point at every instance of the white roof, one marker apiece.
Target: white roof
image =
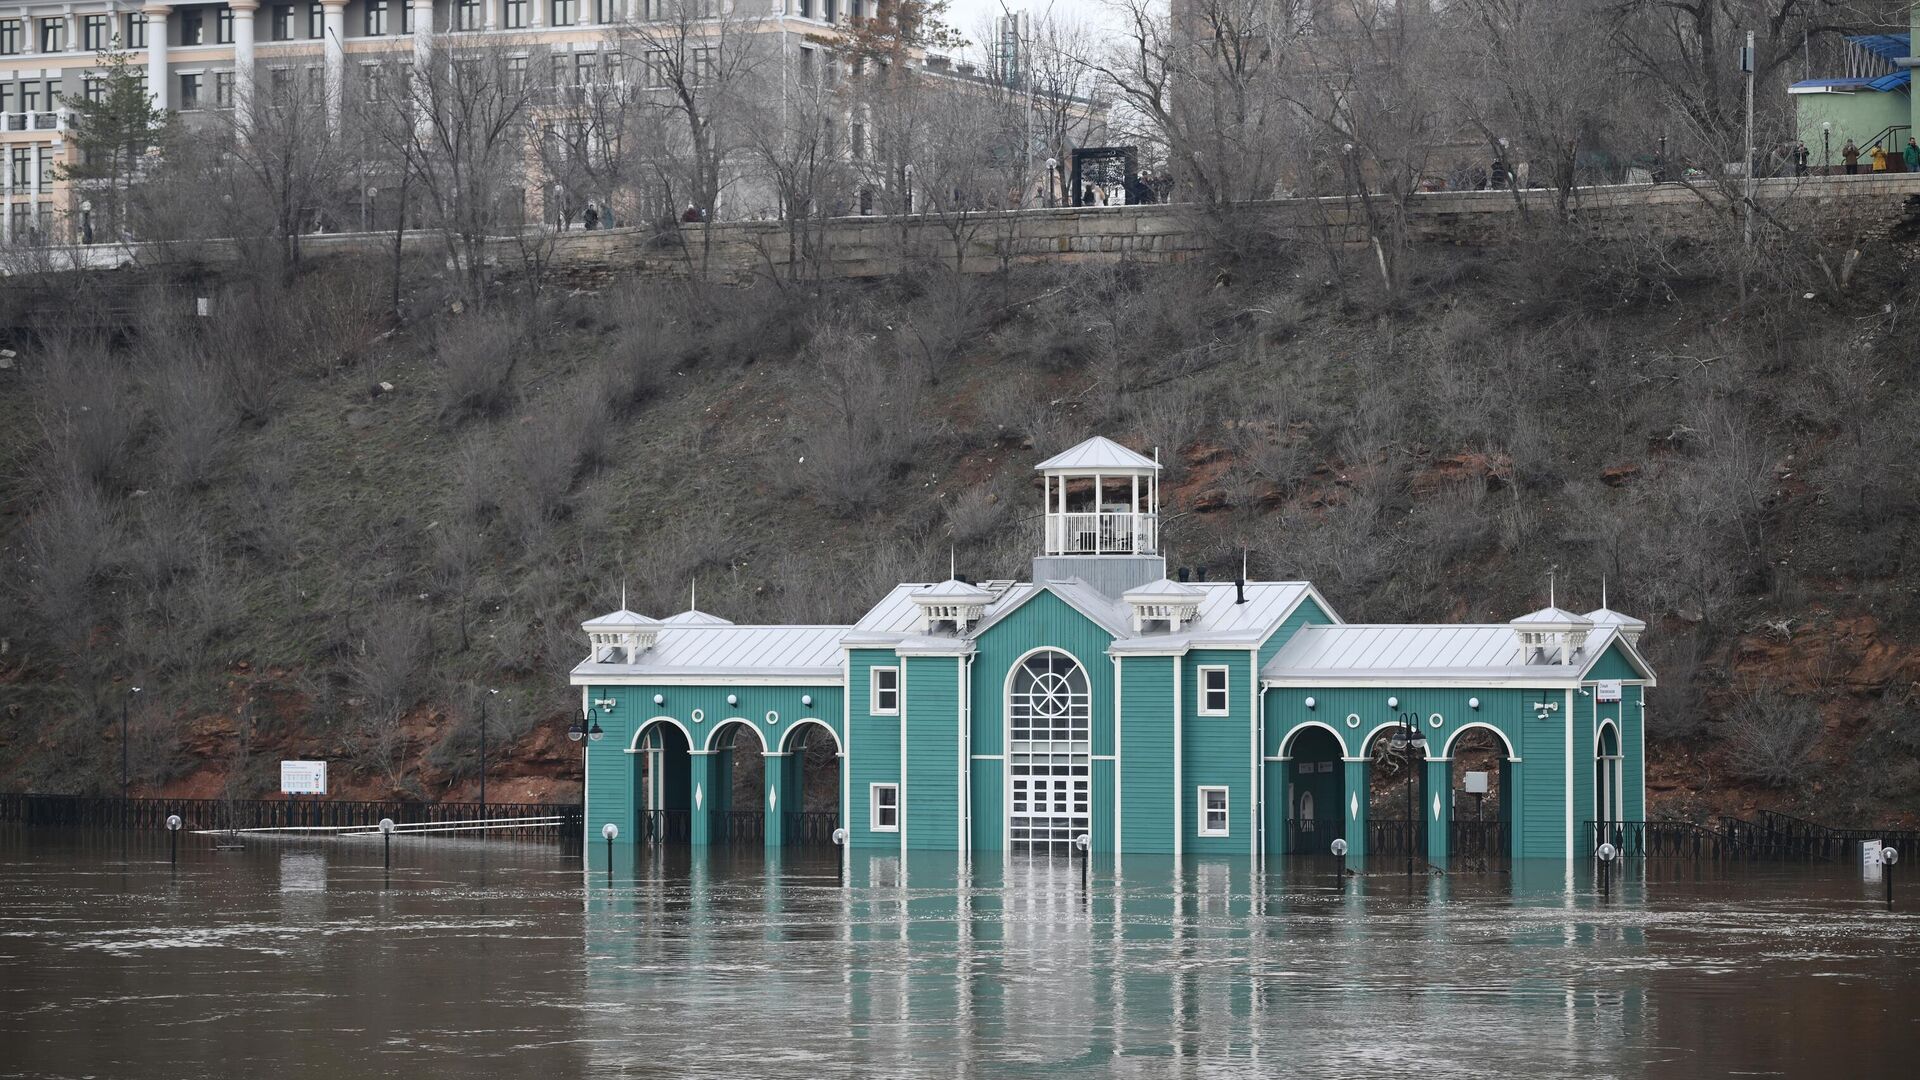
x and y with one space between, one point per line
1609 617
1157 589
622 619
955 589
718 650
1418 654
1098 454
695 617
1552 616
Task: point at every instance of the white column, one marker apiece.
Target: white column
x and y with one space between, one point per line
422 33
537 12
157 53
333 22
243 60
73 29
490 14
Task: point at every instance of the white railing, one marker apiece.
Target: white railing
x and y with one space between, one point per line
1106 533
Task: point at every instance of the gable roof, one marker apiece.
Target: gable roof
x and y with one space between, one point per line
1414 654
727 650
695 617
1096 454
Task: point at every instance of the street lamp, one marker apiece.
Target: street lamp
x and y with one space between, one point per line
1606 853
86 221
366 207
1826 147
1407 739
1053 168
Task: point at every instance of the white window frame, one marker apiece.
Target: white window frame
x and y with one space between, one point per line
874 690
1225 689
1226 809
873 808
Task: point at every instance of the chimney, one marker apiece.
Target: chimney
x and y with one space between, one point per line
1183 575
1200 573
1240 590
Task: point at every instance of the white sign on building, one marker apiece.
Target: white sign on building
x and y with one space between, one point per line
303 777
1607 690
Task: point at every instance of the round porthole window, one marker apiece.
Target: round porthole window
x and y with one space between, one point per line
698 715
1436 720
772 717
1353 719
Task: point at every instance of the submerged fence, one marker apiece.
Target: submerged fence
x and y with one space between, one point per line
563 819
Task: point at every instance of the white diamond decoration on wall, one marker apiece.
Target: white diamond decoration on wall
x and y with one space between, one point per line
1354 808
1436 807
773 799
696 796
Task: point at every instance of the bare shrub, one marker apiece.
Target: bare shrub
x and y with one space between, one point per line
869 421
974 515
477 356
88 412
1769 736
195 415
71 538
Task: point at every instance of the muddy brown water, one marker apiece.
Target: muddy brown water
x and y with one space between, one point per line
501 959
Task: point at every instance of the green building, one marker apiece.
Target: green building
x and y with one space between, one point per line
1871 102
1104 699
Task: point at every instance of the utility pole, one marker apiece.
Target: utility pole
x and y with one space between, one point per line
1747 65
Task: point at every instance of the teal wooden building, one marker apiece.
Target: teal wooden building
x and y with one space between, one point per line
1102 698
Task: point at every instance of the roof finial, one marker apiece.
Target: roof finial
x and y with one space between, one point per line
693 595
953 563
623 594
1243 562
1550 601
1603 590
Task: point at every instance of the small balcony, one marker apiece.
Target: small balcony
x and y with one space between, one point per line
1107 532
55 120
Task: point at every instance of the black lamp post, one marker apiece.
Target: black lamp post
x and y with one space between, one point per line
1409 739
1826 147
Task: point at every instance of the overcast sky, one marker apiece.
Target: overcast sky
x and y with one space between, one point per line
970 16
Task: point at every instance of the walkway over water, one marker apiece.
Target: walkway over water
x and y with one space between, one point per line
472 958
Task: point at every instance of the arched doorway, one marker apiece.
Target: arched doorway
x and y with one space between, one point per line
1049 752
738 808
1316 785
662 788
1396 794
1609 782
811 785
1480 772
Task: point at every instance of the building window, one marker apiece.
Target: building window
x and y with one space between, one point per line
30 96
316 22
606 12
1213 691
706 64
223 89
223 27
189 92
53 35
517 73
565 12
136 31
93 32
1213 811
9 37
468 16
885 691
193 28
376 17
859 142
655 63
280 85
885 803
283 22
515 14
406 17
93 87
22 167
583 65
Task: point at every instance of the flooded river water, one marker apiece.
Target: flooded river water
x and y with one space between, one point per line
296 959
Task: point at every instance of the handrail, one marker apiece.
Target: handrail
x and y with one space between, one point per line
1886 133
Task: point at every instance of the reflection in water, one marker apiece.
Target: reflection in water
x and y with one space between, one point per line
500 959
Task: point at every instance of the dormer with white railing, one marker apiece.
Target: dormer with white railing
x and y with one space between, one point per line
1101 499
1163 606
620 637
951 606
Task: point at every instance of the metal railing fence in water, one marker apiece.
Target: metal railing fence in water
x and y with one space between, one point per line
558 819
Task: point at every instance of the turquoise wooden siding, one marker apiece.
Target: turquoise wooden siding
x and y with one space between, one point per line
1540 819
1585 791
1045 621
613 774
1146 754
1613 664
932 798
1275 778
873 748
1218 751
1101 790
1309 613
1633 744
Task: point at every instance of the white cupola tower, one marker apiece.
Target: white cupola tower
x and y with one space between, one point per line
1604 617
1102 504
620 637
1551 635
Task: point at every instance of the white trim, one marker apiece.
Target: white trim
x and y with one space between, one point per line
874 689
1257 738
901 818
989 757
873 807
1467 681
634 746
714 732
846 758
1226 689
1446 748
786 734
1179 804
1200 806
1006 734
961 748
669 679
1569 742
586 757
1118 712
1100 757
1364 743
1286 749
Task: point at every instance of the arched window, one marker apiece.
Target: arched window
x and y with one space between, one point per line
1049 700
1049 763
